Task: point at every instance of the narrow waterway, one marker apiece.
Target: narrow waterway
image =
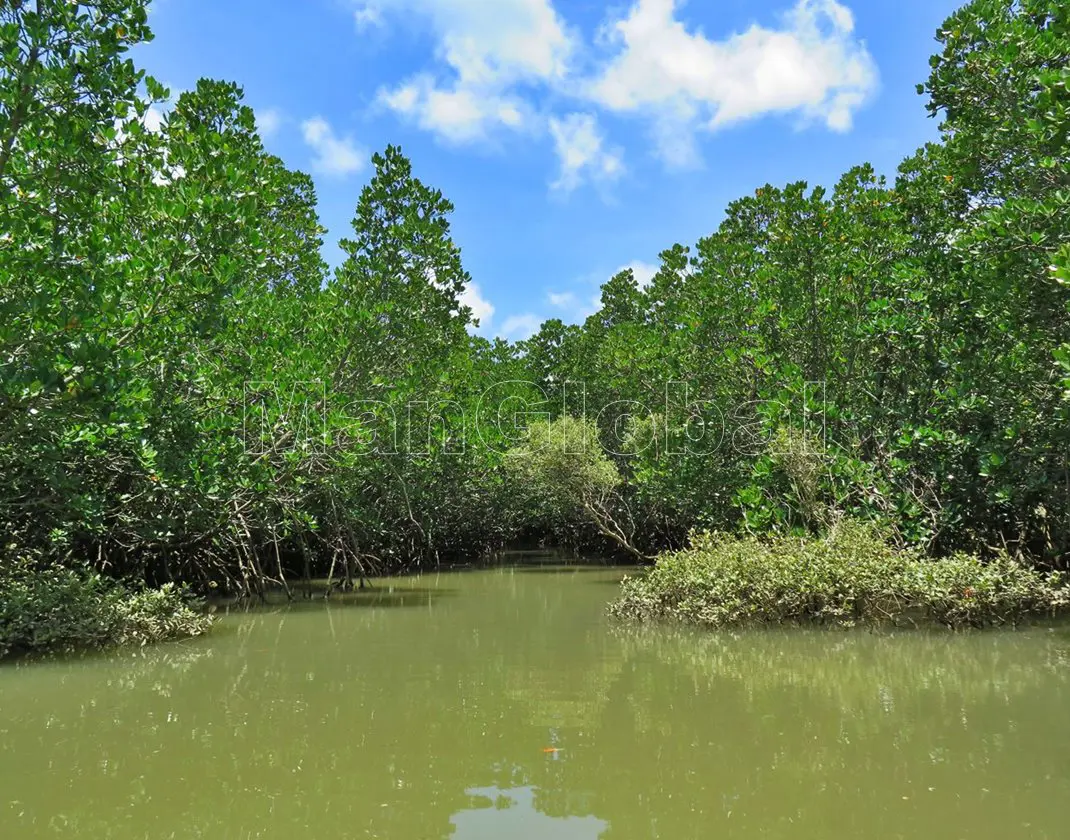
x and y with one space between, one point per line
503 705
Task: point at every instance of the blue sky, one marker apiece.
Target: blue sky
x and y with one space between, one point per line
574 137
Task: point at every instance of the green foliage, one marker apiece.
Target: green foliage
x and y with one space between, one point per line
563 465
564 477
850 576
919 329
187 394
60 608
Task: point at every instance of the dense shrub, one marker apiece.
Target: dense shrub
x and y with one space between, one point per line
56 607
851 575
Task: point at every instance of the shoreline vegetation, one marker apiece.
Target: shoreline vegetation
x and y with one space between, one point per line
849 577
192 402
60 608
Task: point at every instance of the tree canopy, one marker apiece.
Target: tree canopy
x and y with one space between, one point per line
187 393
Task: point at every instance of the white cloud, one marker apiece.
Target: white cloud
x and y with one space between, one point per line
504 65
368 14
642 271
482 309
269 121
458 115
489 47
520 327
491 44
334 155
576 307
674 139
580 150
812 64
153 119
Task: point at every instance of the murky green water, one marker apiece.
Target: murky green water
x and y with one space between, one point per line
428 713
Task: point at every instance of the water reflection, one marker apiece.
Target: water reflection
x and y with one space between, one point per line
442 720
513 814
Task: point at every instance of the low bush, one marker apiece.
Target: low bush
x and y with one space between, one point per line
852 575
56 607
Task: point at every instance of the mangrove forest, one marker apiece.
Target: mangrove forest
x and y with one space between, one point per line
772 540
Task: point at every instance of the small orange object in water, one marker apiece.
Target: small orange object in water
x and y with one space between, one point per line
551 749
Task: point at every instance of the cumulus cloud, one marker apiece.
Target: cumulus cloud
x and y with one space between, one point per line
482 309
368 14
576 307
154 119
520 327
488 47
269 121
504 66
337 156
581 151
811 64
456 114
643 272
